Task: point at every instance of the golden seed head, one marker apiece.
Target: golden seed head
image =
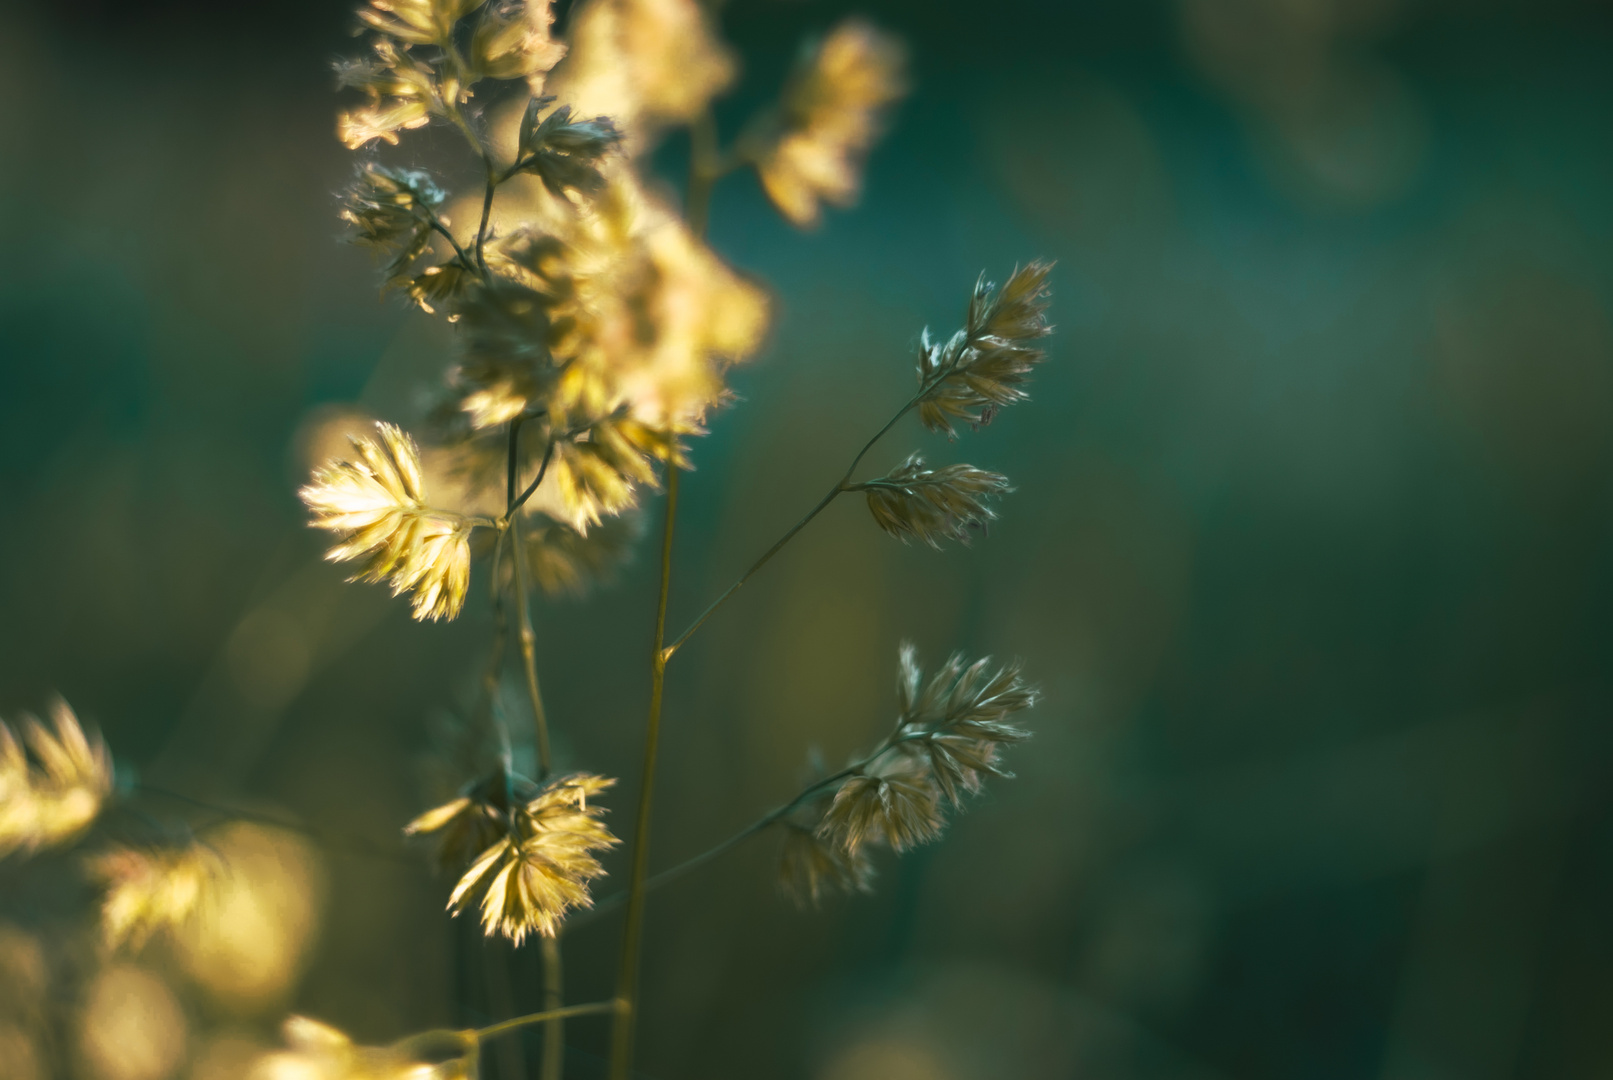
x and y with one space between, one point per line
52 799
376 503
647 63
152 889
541 867
810 150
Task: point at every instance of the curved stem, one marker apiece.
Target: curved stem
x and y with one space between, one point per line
515 1023
842 485
621 1052
554 1030
487 210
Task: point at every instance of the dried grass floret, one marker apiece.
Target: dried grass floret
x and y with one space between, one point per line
562 152
402 93
394 211
152 889
541 867
948 733
896 804
810 149
810 867
466 826
913 502
983 367
377 504
52 799
513 40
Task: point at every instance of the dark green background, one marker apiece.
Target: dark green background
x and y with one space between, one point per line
1310 548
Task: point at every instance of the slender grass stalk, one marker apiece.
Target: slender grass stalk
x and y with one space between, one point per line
841 486
553 1063
621 1049
554 1030
761 824
515 1023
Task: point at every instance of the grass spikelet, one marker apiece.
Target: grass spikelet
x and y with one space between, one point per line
540 869
376 503
809 150
913 502
152 889
52 799
983 367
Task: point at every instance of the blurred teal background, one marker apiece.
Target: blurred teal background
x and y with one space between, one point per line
1310 549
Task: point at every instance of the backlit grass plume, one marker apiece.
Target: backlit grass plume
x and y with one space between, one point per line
541 862
594 330
52 796
809 149
376 503
152 889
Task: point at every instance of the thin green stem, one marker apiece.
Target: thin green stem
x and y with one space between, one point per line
621 1052
841 486
553 1062
515 1023
437 224
487 210
520 500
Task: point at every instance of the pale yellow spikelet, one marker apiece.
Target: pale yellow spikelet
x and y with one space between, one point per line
376 503
317 1051
915 502
531 877
513 40
151 889
644 62
810 150
401 90
417 22
54 798
466 826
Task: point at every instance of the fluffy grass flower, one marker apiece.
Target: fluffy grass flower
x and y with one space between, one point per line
151 889
645 62
50 800
983 367
948 733
931 505
466 826
958 720
376 503
809 150
540 869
